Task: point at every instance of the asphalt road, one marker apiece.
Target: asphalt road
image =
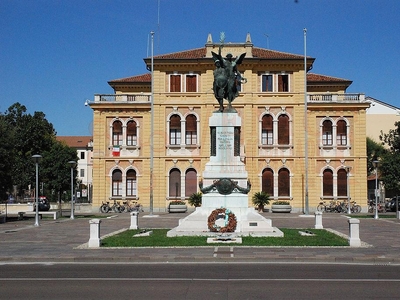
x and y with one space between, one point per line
198 281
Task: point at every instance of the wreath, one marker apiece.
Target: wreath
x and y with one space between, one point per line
230 220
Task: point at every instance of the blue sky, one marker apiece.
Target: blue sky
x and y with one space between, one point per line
55 54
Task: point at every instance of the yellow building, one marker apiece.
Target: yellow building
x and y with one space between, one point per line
273 134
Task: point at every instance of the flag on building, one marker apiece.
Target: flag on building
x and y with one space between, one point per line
115 150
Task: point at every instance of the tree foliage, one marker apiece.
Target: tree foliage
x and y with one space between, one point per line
374 151
24 135
389 167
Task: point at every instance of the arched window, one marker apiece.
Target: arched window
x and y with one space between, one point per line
191 130
117 133
190 182
327 184
267 131
342 182
267 184
327 133
175 130
131 186
283 182
174 183
341 133
283 130
131 133
117 183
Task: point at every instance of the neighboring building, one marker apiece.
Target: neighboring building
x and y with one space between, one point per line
381 117
272 139
84 150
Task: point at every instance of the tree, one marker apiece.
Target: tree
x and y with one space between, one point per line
5 158
25 136
374 150
389 167
56 173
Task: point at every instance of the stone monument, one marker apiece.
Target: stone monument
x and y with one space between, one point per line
225 185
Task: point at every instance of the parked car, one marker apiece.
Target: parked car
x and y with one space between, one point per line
44 204
391 205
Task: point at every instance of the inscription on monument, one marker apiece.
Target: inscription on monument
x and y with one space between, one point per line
225 140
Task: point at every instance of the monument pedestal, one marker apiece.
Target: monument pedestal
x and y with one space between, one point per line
225 185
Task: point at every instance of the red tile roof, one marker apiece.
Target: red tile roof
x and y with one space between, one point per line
188 54
138 78
75 141
272 54
312 77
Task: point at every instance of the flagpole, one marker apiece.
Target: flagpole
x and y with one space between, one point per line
152 124
305 124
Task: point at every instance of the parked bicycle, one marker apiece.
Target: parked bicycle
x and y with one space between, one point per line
371 207
116 207
332 206
131 206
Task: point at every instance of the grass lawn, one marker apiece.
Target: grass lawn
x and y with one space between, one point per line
159 239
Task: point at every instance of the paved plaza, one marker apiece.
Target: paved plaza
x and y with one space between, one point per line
64 240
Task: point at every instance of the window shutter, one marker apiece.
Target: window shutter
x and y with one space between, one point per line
267 122
283 130
175 122
190 182
174 183
283 182
191 123
342 182
175 83
191 83
131 128
268 182
341 127
328 183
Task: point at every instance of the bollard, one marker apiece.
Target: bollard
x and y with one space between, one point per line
94 240
134 220
318 220
354 228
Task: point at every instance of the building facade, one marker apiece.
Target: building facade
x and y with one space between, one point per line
84 150
157 150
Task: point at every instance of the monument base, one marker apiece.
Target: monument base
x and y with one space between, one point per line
249 223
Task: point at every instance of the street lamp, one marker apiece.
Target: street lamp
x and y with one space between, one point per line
72 164
376 163
348 190
36 158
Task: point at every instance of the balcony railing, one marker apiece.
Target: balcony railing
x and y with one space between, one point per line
328 97
137 98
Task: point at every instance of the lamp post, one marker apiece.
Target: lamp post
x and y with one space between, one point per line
36 158
376 163
72 164
348 190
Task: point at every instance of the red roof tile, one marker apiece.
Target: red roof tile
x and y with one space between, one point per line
138 78
312 77
75 141
272 54
188 54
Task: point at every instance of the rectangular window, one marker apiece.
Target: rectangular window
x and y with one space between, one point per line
175 83
82 155
82 173
175 137
191 83
283 83
131 187
327 138
191 138
117 138
266 84
117 188
267 137
131 140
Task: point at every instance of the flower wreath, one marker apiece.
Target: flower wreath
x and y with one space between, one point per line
230 220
